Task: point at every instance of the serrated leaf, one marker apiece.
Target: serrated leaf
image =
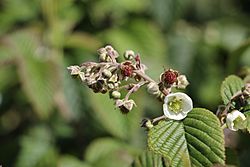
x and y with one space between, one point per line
195 141
37 73
231 85
150 159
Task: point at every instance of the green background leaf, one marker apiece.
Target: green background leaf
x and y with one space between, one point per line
110 152
195 141
231 85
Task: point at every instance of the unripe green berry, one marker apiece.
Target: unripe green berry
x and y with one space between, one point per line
106 73
129 55
153 88
102 57
116 95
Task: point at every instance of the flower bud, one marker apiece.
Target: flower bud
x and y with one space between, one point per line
82 76
74 70
111 85
146 123
109 48
102 57
106 73
113 78
182 82
125 105
246 89
129 104
153 88
115 95
129 55
98 86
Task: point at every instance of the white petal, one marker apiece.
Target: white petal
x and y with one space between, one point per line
173 115
187 106
231 117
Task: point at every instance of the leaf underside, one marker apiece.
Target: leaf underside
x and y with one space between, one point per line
195 141
231 85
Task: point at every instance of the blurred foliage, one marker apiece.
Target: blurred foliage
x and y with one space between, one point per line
49 119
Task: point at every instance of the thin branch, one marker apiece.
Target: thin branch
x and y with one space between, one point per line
144 76
158 119
134 89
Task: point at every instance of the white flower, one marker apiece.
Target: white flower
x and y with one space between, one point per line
233 119
177 105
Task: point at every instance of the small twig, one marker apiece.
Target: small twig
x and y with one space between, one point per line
158 119
224 126
144 76
127 87
135 88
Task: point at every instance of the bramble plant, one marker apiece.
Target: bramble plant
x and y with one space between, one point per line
183 135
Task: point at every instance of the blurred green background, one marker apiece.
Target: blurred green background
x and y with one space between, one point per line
49 119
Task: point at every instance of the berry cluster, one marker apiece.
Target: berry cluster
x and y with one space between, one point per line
110 76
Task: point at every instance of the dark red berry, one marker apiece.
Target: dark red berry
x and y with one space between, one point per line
170 76
127 69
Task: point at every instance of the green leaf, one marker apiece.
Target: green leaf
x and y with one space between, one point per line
104 112
109 152
247 114
231 85
83 41
150 159
71 161
37 149
104 8
195 141
117 124
235 56
37 72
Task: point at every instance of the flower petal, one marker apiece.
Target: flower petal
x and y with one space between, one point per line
187 106
233 116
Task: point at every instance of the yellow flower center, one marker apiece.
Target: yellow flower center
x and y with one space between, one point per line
175 104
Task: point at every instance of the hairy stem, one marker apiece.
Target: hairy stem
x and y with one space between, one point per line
134 89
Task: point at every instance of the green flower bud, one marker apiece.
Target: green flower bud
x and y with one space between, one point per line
115 95
113 78
74 70
153 88
103 57
147 123
129 55
111 85
106 73
182 82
